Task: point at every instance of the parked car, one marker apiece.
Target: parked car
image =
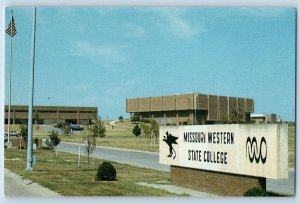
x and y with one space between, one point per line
13 133
75 128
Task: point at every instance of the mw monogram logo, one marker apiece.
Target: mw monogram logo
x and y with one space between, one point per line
252 150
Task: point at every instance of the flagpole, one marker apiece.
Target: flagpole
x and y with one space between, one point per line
9 88
29 142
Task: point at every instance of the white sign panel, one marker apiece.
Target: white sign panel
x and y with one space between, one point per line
255 150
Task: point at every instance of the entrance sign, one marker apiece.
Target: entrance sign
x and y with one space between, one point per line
256 150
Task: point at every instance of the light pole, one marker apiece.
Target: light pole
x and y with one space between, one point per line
29 143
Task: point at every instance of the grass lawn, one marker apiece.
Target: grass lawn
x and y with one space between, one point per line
121 137
63 175
291 146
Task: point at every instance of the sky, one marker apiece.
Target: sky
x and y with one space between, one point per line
101 56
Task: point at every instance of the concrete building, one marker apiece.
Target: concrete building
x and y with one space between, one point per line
52 114
194 108
264 118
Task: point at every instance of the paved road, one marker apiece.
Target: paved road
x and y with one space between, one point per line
132 157
150 160
49 128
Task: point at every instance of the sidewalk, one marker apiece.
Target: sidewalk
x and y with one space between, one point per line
177 189
15 185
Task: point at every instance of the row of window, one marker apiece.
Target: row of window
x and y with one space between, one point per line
49 122
54 111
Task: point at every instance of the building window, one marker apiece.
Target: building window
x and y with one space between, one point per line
21 111
47 111
67 111
93 112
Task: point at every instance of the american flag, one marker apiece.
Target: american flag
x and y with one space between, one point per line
11 28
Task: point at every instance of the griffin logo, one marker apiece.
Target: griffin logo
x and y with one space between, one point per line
170 139
252 150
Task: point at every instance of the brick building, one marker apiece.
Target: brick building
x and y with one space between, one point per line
52 114
194 108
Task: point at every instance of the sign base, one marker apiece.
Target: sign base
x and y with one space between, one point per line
219 183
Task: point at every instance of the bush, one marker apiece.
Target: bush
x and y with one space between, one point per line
60 125
135 118
170 124
145 120
106 171
255 192
136 130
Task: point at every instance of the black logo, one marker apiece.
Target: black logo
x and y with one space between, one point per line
170 139
252 150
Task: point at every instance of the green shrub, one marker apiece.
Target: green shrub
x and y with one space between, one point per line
60 125
170 124
260 192
106 171
136 130
255 192
135 118
66 130
145 120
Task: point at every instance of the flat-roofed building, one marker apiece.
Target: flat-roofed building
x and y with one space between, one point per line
194 108
264 118
52 114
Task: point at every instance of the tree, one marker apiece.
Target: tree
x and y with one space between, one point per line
93 131
53 141
66 130
89 143
236 114
136 130
97 129
135 118
24 133
36 117
154 128
151 131
121 118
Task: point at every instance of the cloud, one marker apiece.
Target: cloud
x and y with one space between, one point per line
176 22
180 27
104 54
